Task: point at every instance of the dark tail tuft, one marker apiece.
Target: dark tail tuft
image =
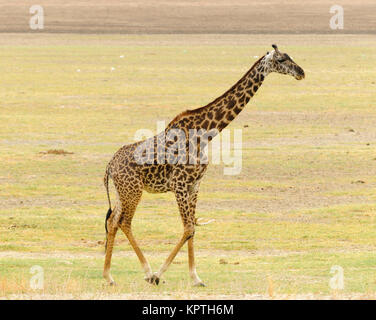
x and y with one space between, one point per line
107 217
109 203
105 180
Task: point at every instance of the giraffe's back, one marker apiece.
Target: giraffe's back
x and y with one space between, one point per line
125 168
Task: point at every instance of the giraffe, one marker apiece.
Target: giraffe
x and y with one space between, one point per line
157 165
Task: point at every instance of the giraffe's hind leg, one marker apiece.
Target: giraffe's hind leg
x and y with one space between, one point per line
128 197
112 230
129 201
126 226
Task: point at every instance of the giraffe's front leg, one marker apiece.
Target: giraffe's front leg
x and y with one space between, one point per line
188 233
192 267
191 254
186 199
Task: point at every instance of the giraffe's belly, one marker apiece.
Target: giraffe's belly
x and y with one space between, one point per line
156 178
162 178
156 188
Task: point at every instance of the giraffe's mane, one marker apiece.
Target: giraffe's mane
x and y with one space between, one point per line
198 110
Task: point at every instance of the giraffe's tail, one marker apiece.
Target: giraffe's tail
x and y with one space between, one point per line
106 176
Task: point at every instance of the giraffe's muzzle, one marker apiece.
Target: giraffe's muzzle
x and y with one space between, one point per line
299 74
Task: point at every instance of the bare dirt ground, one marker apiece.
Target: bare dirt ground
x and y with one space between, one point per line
169 296
169 16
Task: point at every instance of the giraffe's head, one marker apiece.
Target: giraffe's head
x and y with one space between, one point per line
276 61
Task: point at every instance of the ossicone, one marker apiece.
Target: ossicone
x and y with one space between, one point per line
275 47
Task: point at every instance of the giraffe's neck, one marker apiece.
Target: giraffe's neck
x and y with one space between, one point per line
219 113
214 117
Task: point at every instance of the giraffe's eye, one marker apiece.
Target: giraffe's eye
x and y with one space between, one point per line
282 60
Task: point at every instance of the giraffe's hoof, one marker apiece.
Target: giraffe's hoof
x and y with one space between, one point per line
199 284
152 279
